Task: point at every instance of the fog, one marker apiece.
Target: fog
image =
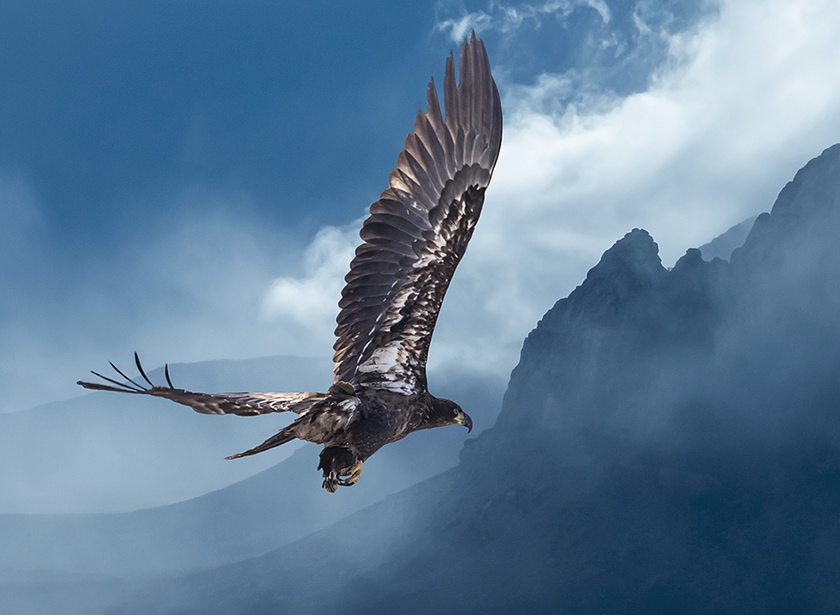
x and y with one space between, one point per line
668 442
672 379
661 423
117 453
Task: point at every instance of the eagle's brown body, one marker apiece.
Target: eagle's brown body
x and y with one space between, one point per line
413 240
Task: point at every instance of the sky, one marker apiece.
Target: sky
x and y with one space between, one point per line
187 179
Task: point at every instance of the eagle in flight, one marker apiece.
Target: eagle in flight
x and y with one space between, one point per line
412 242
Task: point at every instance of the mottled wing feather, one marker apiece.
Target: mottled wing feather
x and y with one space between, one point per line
418 231
243 404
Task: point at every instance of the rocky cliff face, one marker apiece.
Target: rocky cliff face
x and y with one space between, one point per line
681 428
635 342
594 362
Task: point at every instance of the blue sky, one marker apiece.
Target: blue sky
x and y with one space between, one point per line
186 179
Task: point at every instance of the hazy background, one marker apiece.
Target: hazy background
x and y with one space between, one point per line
668 442
187 179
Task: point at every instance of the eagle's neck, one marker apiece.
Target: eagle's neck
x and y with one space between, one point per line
433 412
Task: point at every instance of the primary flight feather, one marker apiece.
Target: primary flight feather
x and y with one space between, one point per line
412 242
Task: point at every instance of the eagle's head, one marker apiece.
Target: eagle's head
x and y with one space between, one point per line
446 412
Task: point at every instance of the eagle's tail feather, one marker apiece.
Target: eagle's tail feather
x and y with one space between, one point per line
284 435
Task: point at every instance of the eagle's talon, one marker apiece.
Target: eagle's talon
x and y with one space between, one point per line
331 482
353 476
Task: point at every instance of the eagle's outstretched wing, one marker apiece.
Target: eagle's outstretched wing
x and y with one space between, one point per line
418 231
243 404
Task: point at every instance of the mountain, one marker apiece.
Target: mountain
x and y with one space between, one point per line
669 442
723 245
263 512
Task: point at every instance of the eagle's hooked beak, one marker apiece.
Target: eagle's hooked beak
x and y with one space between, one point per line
462 418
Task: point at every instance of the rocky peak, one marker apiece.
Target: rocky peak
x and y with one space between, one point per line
805 213
630 269
634 331
814 189
634 257
592 346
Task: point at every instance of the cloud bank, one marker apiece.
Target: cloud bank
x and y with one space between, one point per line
744 99
506 17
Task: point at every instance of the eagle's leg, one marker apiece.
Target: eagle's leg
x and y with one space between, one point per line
331 482
338 462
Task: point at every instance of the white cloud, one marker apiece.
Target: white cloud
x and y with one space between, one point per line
191 291
505 18
459 28
748 99
306 305
743 102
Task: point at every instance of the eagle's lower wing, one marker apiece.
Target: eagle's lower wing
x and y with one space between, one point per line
244 404
418 231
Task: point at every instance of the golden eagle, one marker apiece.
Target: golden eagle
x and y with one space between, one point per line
413 240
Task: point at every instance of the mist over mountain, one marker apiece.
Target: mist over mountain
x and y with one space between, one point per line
668 443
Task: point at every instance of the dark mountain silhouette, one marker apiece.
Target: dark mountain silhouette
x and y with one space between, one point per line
668 443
